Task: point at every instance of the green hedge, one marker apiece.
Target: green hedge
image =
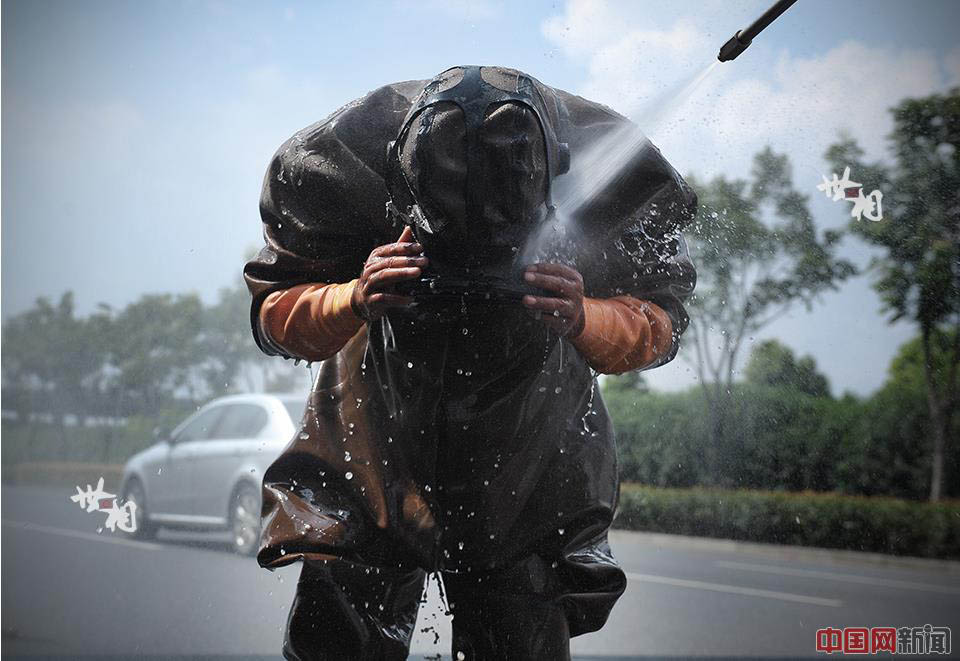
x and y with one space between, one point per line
45 442
777 438
859 523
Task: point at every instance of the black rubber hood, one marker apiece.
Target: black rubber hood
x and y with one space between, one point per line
472 165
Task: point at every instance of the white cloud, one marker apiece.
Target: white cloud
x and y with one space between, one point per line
798 106
633 68
585 27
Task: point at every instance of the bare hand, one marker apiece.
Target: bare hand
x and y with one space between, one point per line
387 265
564 312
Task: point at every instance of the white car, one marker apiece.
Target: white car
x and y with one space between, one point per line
207 473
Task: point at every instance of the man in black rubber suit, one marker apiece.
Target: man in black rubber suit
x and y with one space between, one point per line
464 434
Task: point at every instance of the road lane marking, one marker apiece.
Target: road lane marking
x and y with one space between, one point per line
149 546
735 589
851 578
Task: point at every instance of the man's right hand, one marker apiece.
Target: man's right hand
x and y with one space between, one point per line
387 265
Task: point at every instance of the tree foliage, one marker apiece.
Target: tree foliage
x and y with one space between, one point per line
758 253
781 436
160 352
918 273
772 363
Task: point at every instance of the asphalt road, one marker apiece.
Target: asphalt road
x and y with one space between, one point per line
69 590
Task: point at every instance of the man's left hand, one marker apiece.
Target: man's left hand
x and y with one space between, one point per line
563 312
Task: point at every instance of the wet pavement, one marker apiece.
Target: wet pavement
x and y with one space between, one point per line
68 590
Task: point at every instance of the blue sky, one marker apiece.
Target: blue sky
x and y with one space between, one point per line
136 134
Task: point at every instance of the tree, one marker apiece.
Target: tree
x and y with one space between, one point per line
772 363
156 346
50 356
751 271
232 356
628 382
234 362
918 275
888 450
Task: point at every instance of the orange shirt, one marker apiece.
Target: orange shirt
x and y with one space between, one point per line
314 321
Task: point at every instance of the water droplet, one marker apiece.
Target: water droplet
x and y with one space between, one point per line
304 435
410 365
348 475
346 456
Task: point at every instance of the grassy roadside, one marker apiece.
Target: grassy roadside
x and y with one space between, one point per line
66 474
827 520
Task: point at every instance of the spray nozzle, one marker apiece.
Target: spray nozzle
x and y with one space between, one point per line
743 38
732 48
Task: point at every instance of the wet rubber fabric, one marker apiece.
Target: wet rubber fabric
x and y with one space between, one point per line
525 611
473 443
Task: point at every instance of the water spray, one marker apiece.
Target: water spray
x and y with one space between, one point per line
596 171
596 180
743 38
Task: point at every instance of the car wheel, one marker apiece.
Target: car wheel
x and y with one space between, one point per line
133 492
245 519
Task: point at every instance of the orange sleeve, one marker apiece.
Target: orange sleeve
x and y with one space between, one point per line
312 321
623 333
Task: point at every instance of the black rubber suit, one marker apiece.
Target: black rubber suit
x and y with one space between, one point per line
469 438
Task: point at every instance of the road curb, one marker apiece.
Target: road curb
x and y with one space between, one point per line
787 552
61 473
